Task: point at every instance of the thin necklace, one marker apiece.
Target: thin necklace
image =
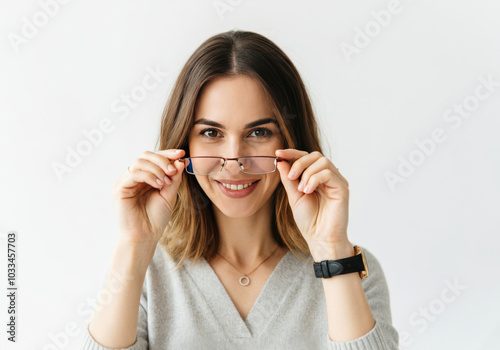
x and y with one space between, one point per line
245 277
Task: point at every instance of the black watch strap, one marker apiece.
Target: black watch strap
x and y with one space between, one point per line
330 268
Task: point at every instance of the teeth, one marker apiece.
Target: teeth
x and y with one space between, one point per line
236 187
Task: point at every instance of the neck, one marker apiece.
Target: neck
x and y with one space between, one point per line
246 241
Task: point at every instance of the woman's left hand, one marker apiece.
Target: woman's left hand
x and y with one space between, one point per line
321 205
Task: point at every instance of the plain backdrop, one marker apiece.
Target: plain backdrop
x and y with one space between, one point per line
407 94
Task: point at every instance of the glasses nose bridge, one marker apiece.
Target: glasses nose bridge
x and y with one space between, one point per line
240 164
226 159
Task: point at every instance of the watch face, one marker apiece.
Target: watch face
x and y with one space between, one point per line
358 250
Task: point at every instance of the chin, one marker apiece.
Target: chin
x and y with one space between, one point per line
233 209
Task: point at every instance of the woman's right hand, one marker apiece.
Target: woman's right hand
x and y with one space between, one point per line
143 210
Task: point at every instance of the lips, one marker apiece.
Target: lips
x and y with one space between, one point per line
241 193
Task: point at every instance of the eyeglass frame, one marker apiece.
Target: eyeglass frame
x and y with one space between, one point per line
278 159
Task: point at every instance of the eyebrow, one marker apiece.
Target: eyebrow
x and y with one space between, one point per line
247 126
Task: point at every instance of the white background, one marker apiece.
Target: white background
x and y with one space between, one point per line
439 226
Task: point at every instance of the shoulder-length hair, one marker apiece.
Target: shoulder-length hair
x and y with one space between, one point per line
192 231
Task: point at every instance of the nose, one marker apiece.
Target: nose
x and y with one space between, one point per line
232 166
234 150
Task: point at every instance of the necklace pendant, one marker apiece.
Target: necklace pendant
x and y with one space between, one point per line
247 281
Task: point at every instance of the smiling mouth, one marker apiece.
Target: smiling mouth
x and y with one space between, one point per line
237 187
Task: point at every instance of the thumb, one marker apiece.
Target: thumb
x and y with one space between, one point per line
177 177
290 185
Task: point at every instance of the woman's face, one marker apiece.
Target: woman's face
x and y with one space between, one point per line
224 109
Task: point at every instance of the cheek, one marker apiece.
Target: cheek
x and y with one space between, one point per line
274 180
203 181
192 146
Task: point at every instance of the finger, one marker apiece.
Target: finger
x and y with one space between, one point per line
152 163
301 160
179 164
164 158
141 176
290 185
291 154
145 165
325 177
167 161
318 165
172 153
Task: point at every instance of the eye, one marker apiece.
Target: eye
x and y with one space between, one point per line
210 130
268 133
261 133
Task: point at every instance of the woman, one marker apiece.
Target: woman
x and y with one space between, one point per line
238 237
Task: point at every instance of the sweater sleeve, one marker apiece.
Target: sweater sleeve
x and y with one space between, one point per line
141 342
383 336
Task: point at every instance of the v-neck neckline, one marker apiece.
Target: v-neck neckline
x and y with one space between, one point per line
271 296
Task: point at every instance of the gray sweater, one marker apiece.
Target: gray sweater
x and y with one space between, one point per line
190 309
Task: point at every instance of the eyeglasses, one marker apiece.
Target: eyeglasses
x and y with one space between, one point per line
207 165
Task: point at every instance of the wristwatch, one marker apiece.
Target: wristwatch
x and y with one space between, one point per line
330 268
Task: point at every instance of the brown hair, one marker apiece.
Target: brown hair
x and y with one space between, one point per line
192 231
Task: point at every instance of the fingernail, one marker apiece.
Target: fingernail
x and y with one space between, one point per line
307 189
159 182
167 180
171 167
179 151
300 186
291 174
